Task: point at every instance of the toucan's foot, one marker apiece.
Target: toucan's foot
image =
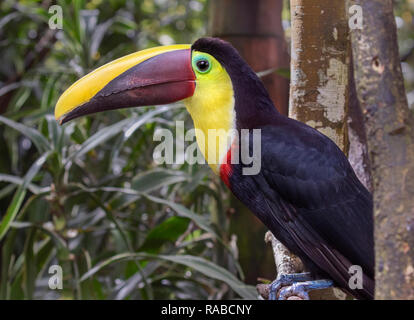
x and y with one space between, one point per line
301 289
296 284
287 280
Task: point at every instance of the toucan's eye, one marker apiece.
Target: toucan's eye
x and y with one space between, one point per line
203 65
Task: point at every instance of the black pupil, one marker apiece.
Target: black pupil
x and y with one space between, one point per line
203 65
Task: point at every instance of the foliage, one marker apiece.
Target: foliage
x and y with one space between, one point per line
87 195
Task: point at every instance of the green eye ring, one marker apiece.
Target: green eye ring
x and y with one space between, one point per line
202 64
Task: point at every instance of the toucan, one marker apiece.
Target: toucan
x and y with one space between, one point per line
305 192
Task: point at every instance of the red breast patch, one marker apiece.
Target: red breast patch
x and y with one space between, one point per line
226 169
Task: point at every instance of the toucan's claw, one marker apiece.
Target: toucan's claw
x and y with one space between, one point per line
286 280
301 289
296 284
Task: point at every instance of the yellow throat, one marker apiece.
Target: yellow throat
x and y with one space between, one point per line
212 110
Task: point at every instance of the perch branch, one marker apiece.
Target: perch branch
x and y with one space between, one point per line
286 263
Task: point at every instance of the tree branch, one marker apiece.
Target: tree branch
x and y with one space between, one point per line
286 263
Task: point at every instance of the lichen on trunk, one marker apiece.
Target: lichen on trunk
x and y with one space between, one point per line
390 138
319 67
319 88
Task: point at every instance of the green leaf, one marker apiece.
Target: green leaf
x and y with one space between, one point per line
7 18
182 211
7 190
55 132
201 265
29 265
44 253
157 178
7 263
214 271
6 253
149 181
18 197
38 139
108 132
100 137
167 231
201 221
19 181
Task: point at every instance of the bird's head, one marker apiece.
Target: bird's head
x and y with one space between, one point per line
209 76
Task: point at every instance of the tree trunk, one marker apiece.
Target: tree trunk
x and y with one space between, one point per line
390 138
358 149
255 29
319 87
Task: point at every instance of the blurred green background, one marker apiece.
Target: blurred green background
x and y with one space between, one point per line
88 196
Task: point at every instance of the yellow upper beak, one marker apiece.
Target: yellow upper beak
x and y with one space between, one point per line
86 88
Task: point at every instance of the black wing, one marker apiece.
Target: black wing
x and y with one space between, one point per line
310 197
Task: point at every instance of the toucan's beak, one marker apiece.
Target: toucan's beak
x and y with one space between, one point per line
158 75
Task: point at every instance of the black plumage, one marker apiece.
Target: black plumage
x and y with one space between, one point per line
306 193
